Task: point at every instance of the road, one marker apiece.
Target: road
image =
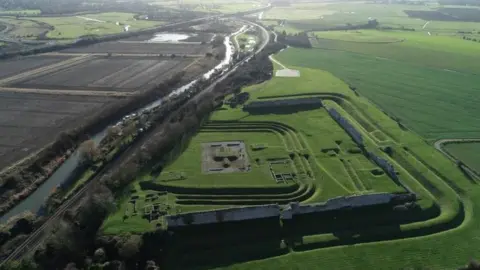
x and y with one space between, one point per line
39 235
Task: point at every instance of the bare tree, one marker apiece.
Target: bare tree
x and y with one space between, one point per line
88 151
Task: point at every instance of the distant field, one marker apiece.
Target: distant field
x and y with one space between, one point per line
93 24
21 12
309 16
469 153
23 28
368 36
221 6
318 16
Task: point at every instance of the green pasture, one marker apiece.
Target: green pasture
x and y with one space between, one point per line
311 16
93 24
469 153
430 91
318 16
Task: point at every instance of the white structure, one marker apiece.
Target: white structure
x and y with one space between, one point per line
287 73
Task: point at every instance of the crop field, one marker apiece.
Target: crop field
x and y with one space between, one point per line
30 121
16 66
403 78
93 24
114 73
469 153
139 47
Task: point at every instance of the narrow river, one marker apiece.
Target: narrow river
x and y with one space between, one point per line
34 202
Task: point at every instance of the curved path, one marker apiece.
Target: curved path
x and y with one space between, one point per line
439 145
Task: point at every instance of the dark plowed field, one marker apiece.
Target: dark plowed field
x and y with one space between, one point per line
109 74
30 121
139 47
15 66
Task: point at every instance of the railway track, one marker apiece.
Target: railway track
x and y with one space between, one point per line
39 235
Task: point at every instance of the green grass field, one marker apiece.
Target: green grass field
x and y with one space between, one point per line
368 36
466 152
404 78
93 24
